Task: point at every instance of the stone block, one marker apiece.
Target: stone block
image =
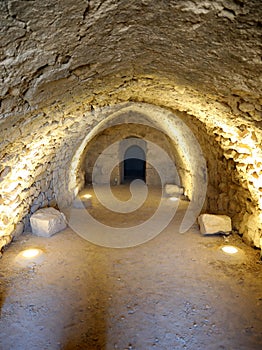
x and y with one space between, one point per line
214 224
5 172
18 230
82 203
174 190
47 221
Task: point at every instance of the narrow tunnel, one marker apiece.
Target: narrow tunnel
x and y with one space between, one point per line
96 94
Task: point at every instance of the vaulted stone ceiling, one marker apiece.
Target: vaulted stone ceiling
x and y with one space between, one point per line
63 62
211 49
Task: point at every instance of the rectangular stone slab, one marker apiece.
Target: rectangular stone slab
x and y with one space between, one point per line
173 190
213 224
82 203
47 221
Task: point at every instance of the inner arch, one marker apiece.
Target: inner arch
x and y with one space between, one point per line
189 152
193 172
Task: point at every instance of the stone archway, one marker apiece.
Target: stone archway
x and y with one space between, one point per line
134 164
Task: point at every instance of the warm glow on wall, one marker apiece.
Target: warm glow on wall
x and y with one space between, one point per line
260 218
248 153
9 187
7 209
23 173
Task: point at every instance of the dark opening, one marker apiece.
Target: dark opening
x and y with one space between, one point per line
134 165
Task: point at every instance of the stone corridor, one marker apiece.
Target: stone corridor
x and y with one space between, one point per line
81 83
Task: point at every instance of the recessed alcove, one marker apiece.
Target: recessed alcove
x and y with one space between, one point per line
120 140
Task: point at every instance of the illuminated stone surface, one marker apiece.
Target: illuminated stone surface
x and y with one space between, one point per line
212 224
46 222
82 203
173 190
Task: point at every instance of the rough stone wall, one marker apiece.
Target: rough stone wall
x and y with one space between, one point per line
62 63
45 148
118 133
235 172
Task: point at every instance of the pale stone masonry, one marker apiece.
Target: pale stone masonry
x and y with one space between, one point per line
66 67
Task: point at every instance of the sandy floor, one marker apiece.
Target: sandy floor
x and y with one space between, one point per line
177 291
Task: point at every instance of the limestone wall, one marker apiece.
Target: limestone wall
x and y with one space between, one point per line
118 133
234 164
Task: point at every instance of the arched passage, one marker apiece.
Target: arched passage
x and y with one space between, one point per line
71 69
60 147
191 162
134 164
45 116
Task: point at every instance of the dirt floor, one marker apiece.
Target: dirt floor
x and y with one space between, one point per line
176 291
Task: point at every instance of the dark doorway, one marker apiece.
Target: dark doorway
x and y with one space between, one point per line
134 165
